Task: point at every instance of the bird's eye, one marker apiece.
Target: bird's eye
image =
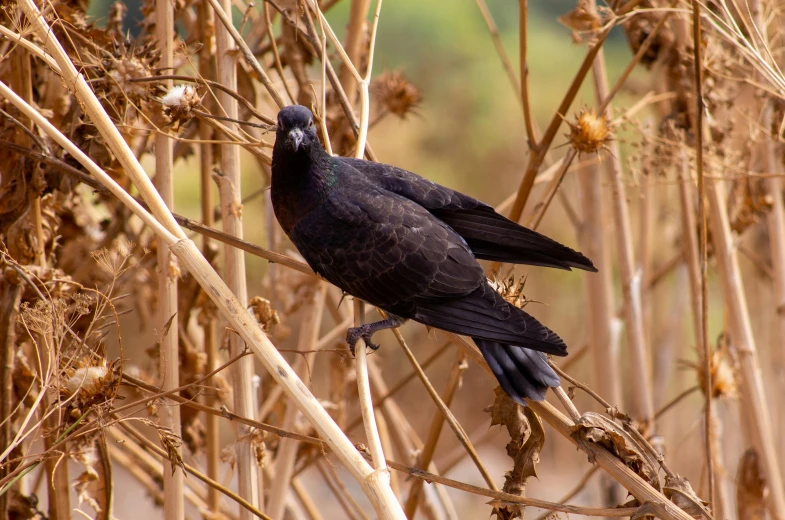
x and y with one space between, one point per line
310 123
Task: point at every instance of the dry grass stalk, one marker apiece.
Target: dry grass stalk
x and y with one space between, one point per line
168 274
11 291
753 394
427 452
287 448
208 320
234 260
630 276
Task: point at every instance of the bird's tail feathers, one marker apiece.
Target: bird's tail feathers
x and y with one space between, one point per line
521 372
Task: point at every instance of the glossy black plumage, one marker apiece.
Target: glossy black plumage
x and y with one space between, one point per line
410 247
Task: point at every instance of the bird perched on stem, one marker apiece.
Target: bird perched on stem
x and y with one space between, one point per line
410 247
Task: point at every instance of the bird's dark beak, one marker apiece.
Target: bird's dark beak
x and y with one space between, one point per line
295 138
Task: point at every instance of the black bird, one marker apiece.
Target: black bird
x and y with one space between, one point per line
410 247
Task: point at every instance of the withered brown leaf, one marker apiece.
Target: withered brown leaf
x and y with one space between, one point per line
598 429
527 438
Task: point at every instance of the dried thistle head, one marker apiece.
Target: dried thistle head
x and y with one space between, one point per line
511 290
590 132
118 70
180 102
395 93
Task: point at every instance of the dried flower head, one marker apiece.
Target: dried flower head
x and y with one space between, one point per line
180 102
92 380
395 93
87 381
590 132
511 290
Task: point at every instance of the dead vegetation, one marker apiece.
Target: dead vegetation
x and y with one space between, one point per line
122 348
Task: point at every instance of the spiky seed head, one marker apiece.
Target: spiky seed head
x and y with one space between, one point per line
396 93
590 132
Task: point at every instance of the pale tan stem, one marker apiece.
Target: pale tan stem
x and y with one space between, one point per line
287 448
224 29
599 285
169 358
366 401
630 276
365 83
354 37
212 432
426 456
689 239
234 261
408 443
753 394
444 407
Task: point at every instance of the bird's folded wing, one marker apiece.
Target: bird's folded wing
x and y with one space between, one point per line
386 250
486 315
490 236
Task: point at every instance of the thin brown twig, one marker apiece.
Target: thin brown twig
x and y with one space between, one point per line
523 36
703 250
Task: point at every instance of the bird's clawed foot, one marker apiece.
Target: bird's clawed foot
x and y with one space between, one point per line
365 332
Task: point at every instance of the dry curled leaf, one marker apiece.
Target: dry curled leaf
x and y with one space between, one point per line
598 429
583 18
679 491
94 484
527 438
171 444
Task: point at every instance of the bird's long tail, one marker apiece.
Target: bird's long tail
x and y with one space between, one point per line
521 372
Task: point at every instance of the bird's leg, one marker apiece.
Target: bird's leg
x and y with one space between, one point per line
367 330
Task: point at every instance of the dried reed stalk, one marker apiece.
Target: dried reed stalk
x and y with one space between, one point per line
426 455
10 294
229 185
287 449
772 151
168 274
753 396
630 276
206 160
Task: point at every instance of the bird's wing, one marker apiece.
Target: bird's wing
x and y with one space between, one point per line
490 235
386 250
484 314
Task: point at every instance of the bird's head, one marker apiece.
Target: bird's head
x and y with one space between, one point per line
295 129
